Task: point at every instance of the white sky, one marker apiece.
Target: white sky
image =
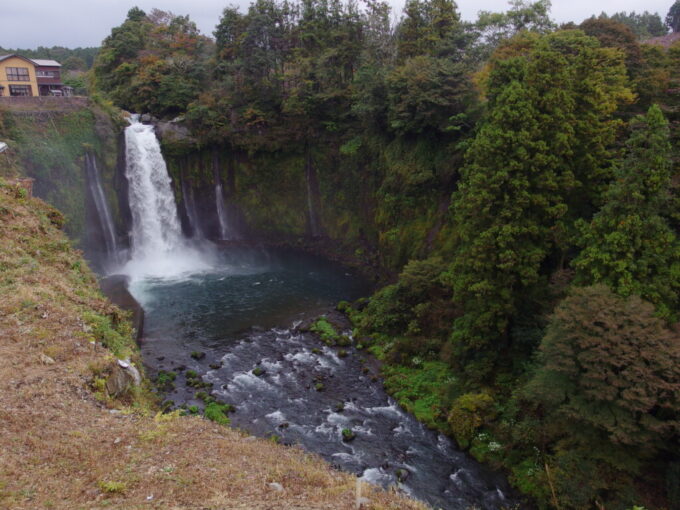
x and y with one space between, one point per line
72 23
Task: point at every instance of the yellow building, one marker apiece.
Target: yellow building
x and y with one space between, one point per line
17 76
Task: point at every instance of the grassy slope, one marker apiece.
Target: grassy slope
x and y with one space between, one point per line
65 445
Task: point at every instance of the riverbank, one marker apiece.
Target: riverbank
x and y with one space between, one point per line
66 443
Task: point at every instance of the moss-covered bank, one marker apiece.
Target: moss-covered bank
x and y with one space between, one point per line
380 202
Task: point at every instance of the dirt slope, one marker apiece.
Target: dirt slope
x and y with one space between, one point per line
64 443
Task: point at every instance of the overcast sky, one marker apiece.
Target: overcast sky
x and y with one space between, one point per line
72 23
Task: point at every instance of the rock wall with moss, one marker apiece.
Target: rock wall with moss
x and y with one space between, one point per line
382 202
48 142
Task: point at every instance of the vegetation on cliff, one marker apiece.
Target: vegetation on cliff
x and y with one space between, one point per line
49 143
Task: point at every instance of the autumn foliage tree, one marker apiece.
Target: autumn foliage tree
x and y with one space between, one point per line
152 63
608 388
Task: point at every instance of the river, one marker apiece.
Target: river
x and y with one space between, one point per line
242 315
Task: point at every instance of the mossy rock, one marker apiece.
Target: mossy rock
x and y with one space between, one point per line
348 435
344 341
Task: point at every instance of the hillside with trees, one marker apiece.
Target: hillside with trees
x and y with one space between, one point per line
517 180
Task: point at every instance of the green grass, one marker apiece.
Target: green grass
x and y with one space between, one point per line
217 412
116 335
326 331
421 390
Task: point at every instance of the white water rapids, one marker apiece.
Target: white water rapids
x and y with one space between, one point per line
103 213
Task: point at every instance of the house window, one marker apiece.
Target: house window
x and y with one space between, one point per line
17 74
46 74
20 90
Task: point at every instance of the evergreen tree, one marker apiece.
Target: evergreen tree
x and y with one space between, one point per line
429 27
546 136
644 25
628 245
673 17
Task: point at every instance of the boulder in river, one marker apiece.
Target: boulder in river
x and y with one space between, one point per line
402 474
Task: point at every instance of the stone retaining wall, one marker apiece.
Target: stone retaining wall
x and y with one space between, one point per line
43 103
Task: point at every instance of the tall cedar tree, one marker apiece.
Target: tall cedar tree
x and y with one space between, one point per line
628 245
536 162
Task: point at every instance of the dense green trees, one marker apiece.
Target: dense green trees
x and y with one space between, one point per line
673 17
607 389
644 25
628 245
546 136
152 63
58 53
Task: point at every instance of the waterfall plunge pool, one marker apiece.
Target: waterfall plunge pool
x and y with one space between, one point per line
242 314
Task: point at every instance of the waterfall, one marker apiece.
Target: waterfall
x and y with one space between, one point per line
103 214
225 230
155 225
158 246
190 208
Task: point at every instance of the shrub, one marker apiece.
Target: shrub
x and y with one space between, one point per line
419 304
468 413
217 412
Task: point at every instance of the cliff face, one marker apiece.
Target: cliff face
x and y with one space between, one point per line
372 201
364 203
51 140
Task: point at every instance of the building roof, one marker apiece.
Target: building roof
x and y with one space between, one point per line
50 63
665 40
4 57
35 61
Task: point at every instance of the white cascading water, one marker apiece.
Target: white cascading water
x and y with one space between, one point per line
225 231
190 208
103 213
159 248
